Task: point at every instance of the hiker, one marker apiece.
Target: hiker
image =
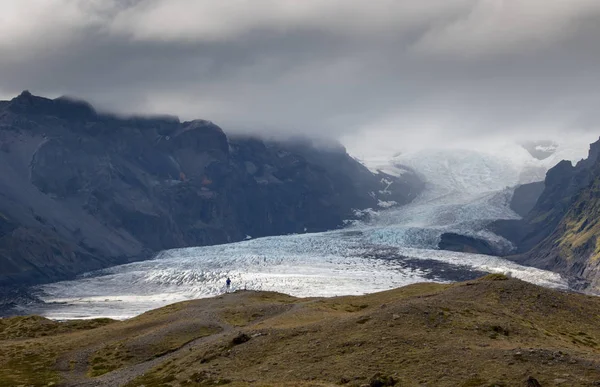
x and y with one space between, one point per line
228 284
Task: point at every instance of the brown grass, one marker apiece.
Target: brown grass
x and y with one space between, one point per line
491 331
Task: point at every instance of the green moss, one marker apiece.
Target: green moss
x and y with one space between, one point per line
174 341
473 382
494 277
416 334
541 217
152 380
240 317
36 326
274 297
345 307
29 369
202 378
128 352
596 255
581 227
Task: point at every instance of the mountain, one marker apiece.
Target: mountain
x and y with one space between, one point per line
512 333
523 200
561 231
525 196
541 149
81 190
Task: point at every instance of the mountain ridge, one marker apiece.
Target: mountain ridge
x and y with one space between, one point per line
82 190
561 231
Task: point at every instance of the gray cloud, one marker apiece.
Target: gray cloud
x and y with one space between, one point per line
369 73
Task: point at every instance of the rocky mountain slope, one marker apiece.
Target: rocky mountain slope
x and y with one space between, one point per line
561 231
81 190
488 332
525 197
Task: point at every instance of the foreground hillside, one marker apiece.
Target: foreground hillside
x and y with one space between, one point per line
81 190
488 332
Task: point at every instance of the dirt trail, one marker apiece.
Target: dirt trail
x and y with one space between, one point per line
125 375
491 331
74 366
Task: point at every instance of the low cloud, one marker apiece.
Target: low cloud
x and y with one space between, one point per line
388 74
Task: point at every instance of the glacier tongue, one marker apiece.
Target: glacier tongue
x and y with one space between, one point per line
465 191
325 264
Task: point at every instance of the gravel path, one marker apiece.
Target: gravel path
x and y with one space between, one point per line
125 375
75 365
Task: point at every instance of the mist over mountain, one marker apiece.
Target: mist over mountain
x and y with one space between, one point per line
82 190
541 149
299 193
85 190
390 74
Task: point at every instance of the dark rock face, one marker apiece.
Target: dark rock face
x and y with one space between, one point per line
561 232
81 190
466 244
523 200
525 197
12 298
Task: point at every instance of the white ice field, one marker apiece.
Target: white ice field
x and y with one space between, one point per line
466 190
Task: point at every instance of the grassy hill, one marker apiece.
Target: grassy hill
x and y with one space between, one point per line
489 332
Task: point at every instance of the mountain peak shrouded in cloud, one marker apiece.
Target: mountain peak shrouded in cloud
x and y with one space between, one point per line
395 74
540 149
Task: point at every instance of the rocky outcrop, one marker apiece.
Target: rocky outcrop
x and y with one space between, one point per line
525 197
561 232
81 190
466 244
522 202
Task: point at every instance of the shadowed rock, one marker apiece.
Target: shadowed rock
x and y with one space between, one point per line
463 243
561 231
80 190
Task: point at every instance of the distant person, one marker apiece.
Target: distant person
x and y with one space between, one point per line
228 284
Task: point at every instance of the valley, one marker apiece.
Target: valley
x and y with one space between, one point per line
278 193
464 192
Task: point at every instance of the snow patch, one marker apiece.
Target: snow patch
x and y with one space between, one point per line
388 184
386 204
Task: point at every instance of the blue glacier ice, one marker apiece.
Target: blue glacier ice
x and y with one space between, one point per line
466 189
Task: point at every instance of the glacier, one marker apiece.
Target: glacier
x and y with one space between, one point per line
466 190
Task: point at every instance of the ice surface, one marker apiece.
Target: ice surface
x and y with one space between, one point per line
466 189
325 264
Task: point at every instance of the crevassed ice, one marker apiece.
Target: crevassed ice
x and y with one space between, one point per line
465 191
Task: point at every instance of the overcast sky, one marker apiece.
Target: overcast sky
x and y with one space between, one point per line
377 74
